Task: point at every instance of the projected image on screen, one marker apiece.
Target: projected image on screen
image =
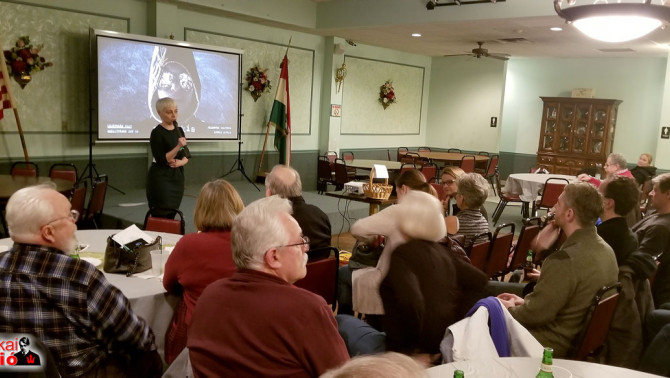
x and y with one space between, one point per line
133 74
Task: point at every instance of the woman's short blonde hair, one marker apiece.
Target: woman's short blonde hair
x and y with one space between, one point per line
454 172
217 206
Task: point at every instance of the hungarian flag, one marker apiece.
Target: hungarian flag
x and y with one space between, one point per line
6 99
280 116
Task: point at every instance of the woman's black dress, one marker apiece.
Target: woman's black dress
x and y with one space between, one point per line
165 185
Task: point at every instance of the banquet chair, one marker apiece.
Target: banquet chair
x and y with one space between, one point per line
423 149
401 151
78 197
468 163
479 252
410 157
429 171
406 167
331 156
480 166
457 150
438 188
97 202
540 169
590 340
349 156
322 276
501 245
24 168
491 170
529 230
65 171
324 175
505 198
342 176
161 224
553 188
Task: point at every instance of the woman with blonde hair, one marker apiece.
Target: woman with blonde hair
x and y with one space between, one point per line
200 258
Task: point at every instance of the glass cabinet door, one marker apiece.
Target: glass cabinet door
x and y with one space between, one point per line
566 126
598 131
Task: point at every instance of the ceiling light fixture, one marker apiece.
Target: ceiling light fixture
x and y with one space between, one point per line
615 22
416 34
556 28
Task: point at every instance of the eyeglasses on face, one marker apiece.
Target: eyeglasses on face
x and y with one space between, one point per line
74 214
448 182
305 241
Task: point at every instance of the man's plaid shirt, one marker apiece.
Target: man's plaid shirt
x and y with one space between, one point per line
69 305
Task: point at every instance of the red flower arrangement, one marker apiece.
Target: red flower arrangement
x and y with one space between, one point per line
257 82
23 60
387 94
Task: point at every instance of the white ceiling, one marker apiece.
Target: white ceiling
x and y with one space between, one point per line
390 23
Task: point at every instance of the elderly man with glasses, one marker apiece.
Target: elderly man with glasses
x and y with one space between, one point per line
66 302
256 323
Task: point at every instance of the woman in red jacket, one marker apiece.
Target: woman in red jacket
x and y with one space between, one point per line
200 258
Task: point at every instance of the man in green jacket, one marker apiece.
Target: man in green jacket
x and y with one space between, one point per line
556 310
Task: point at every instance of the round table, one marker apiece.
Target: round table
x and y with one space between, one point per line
528 367
10 184
528 185
147 296
367 164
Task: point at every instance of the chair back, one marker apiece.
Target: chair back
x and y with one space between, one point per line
492 168
348 156
24 168
410 157
322 276
457 150
401 152
424 149
97 201
479 252
501 245
331 156
468 163
553 188
429 171
160 224
598 322
341 174
438 188
324 174
529 230
406 167
64 171
540 169
78 199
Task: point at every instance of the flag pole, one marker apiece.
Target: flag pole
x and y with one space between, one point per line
8 86
267 129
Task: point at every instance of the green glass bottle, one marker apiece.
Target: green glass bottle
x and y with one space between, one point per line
458 374
545 368
528 266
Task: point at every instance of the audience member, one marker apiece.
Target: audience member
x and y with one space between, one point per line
655 358
359 289
643 171
285 182
449 175
624 340
473 189
614 165
653 236
386 365
256 323
426 288
67 303
555 311
200 258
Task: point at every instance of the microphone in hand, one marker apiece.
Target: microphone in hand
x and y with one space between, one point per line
184 149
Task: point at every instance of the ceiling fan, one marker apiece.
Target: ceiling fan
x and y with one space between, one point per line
480 52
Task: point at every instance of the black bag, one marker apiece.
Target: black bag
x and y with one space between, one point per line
130 258
365 255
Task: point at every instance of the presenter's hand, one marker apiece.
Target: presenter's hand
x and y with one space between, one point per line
181 141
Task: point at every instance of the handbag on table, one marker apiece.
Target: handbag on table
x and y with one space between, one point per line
130 258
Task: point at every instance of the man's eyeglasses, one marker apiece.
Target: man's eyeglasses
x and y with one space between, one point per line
305 241
74 214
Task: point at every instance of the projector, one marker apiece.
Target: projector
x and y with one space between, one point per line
354 187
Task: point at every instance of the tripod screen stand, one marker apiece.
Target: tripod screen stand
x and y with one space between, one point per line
238 166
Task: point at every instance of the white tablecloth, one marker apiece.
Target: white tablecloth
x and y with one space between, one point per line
147 297
527 367
528 185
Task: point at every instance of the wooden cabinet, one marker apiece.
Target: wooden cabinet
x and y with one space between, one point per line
576 133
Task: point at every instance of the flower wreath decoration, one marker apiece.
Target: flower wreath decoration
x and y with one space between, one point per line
387 94
257 82
23 60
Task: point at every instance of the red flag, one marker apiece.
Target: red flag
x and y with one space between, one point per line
6 98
